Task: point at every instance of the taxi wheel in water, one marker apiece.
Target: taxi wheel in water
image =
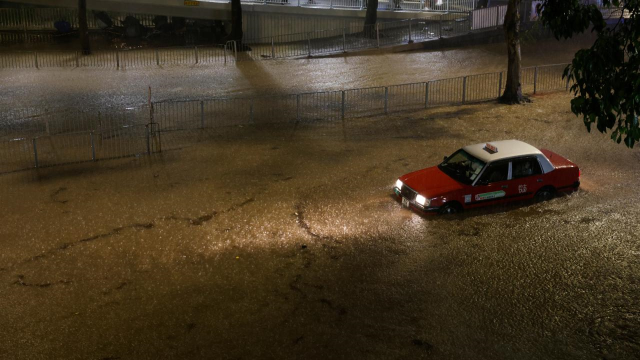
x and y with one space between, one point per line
450 208
545 194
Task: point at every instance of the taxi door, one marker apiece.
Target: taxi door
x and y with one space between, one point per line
493 186
527 176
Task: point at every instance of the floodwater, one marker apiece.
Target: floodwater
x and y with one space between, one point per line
90 88
281 245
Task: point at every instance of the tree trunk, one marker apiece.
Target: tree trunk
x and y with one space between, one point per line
84 28
513 89
236 23
370 18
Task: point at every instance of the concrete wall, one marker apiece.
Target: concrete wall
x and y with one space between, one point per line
264 25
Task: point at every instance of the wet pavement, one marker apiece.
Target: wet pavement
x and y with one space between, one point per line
102 88
275 244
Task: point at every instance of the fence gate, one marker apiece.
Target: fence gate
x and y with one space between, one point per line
153 139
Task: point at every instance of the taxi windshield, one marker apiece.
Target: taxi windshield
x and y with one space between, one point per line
462 166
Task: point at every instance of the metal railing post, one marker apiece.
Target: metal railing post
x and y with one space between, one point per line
151 109
251 118
77 59
464 89
378 35
224 53
24 22
500 85
235 50
386 99
426 95
497 16
440 27
196 52
535 80
35 151
202 114
343 100
93 147
157 58
298 107
36 56
117 59
100 125
309 44
330 4
273 50
410 41
344 40
148 138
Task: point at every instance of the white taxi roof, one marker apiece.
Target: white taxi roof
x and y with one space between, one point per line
506 149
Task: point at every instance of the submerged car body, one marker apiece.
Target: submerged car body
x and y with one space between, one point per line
487 174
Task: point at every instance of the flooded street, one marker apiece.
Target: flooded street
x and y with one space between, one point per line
89 88
286 243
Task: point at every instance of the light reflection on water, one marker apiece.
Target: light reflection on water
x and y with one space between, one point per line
87 88
323 248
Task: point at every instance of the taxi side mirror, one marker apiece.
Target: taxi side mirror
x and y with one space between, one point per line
445 159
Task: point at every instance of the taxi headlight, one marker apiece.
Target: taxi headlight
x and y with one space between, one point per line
421 200
399 184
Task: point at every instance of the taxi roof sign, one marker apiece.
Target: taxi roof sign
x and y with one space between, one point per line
508 149
491 148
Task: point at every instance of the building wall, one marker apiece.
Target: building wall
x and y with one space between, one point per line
264 25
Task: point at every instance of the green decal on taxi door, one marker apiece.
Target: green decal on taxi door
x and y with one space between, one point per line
490 195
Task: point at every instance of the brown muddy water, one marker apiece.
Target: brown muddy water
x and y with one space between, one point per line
86 88
285 244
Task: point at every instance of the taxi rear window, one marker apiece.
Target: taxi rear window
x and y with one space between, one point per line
524 167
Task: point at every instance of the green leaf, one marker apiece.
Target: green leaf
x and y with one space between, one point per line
605 77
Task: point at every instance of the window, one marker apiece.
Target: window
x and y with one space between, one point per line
524 167
462 167
495 172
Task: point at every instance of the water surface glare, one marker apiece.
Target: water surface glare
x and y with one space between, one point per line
287 244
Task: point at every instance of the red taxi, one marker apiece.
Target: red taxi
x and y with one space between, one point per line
487 174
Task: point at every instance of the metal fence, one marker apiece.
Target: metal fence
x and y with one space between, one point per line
390 5
321 42
276 47
120 59
26 19
358 37
35 122
488 17
29 18
35 138
35 25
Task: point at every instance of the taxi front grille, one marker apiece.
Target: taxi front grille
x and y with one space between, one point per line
408 193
